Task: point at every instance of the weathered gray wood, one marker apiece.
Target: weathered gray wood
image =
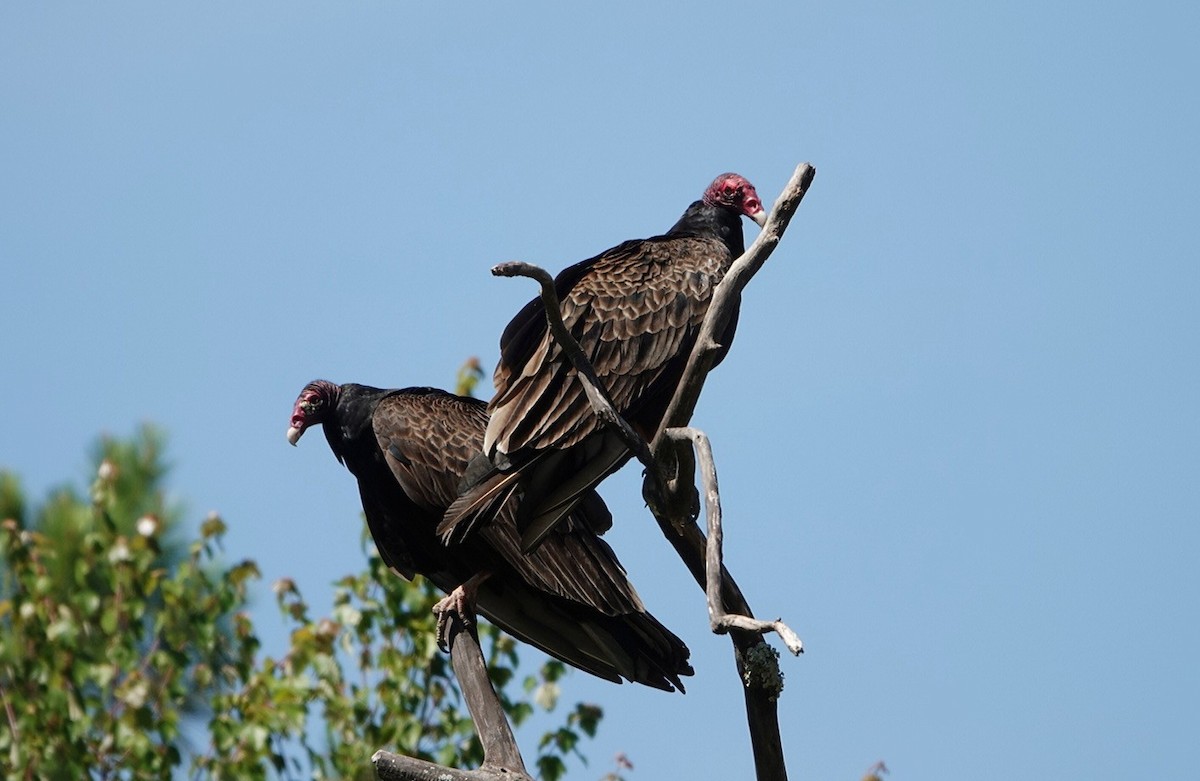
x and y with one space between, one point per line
491 722
750 650
501 756
397 767
720 620
670 482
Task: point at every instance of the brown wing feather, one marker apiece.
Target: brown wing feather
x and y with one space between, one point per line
428 441
633 310
574 565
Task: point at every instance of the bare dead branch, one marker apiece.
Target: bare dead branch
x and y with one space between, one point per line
501 757
721 621
762 713
723 624
670 500
397 767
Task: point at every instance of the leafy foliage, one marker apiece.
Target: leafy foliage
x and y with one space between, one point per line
117 649
102 635
129 473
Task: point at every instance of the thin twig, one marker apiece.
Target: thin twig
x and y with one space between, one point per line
719 619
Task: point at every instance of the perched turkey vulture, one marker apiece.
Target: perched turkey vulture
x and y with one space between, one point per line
636 310
571 598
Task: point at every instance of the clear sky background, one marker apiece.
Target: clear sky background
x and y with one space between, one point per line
957 434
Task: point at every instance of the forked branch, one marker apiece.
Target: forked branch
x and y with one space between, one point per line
721 621
670 499
755 660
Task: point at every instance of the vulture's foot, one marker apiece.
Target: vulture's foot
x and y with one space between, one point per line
461 603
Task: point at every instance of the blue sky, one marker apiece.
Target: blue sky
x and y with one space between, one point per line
957 434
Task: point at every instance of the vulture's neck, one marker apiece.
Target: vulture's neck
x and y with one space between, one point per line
349 429
718 222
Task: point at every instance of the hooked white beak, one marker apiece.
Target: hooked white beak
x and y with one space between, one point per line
760 217
294 434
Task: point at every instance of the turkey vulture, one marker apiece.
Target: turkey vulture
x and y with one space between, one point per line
636 310
571 598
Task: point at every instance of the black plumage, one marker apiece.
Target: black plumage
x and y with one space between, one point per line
409 450
636 310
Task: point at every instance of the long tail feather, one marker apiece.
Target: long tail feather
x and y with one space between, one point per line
476 506
538 517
